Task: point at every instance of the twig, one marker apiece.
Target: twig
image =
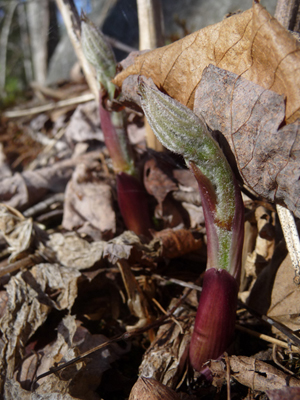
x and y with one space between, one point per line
288 14
269 320
228 376
72 22
23 263
277 362
58 94
50 106
119 45
178 282
151 36
268 339
160 307
125 336
44 205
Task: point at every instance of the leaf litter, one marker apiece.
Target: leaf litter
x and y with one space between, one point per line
80 279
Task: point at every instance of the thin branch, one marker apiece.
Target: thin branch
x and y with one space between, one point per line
124 336
151 30
50 107
268 339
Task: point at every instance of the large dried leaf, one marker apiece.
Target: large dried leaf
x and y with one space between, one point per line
287 393
285 297
249 117
176 243
253 373
29 187
88 205
74 252
14 391
255 53
29 303
78 380
21 234
84 124
251 44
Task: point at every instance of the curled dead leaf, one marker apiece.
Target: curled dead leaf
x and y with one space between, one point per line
166 358
251 44
176 243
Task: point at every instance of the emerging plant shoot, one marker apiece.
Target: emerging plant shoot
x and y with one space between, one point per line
181 131
132 197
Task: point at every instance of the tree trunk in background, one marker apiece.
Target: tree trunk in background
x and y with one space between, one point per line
3 44
38 21
25 42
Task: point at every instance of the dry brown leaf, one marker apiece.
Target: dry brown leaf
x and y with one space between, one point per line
14 391
88 205
23 190
253 373
78 380
74 252
16 230
128 246
158 179
249 117
138 303
29 187
60 350
287 393
121 246
285 297
251 44
165 360
223 72
84 124
176 243
29 303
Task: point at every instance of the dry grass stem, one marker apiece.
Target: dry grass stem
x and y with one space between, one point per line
269 339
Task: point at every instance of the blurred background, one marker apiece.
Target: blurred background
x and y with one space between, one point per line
35 48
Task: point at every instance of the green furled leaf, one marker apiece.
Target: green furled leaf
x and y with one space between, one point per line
99 53
181 131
